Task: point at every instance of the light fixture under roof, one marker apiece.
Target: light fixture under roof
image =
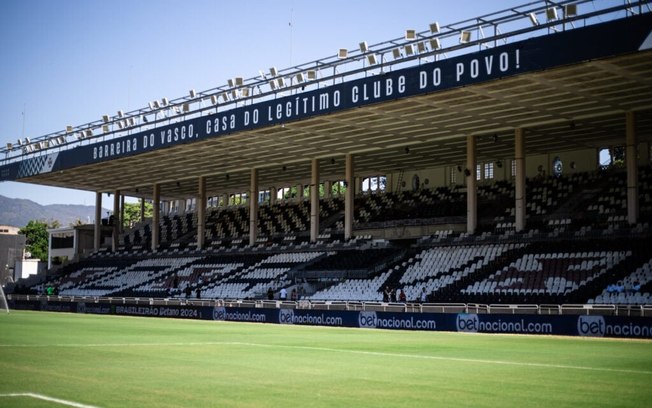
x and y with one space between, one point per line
342 53
533 19
364 47
105 118
465 37
89 132
551 13
396 53
570 10
231 83
409 50
371 58
300 77
192 93
164 102
421 47
69 129
121 114
312 74
156 104
410 35
105 128
214 99
434 27
273 72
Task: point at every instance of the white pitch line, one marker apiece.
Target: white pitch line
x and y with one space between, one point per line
49 399
335 350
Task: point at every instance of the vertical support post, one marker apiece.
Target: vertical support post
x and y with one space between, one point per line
122 213
97 231
348 197
471 184
116 220
156 215
142 209
632 168
253 207
201 212
519 157
314 201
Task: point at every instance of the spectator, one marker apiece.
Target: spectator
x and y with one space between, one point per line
294 295
188 291
198 293
284 294
270 294
424 295
402 297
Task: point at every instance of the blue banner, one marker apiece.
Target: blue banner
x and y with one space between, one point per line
563 48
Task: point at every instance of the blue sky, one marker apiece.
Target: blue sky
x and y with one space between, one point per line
68 62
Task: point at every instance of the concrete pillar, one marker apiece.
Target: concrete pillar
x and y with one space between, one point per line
314 201
632 168
142 209
272 195
328 187
116 220
299 192
348 197
253 207
156 215
201 212
519 158
122 213
97 237
471 188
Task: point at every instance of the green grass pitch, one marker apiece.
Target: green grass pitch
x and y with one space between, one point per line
109 361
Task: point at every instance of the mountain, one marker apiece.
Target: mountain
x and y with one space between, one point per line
18 212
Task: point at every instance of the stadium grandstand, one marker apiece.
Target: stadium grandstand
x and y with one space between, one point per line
501 160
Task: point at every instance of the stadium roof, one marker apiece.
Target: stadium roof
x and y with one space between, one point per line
567 105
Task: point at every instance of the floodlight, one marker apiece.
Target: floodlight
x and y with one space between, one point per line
69 129
105 118
9 146
409 50
465 36
372 59
281 82
312 74
421 46
300 77
272 84
239 81
273 72
27 140
396 53
185 107
364 47
132 121
234 94
245 92
157 105
105 128
151 105
164 102
410 35
20 142
80 135
225 97
434 27
533 19
89 132
120 124
435 44
192 93
570 10
35 146
231 83
121 114
214 99
342 53
61 139
551 13
262 74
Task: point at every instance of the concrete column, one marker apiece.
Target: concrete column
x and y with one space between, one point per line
272 195
201 212
328 186
253 207
471 189
299 192
122 213
314 201
632 168
348 197
116 220
97 237
156 215
142 209
519 158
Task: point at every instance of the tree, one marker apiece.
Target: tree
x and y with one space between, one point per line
36 237
132 213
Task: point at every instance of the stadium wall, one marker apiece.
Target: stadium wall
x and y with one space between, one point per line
565 325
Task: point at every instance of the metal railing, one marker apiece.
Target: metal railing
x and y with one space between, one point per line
514 309
531 19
